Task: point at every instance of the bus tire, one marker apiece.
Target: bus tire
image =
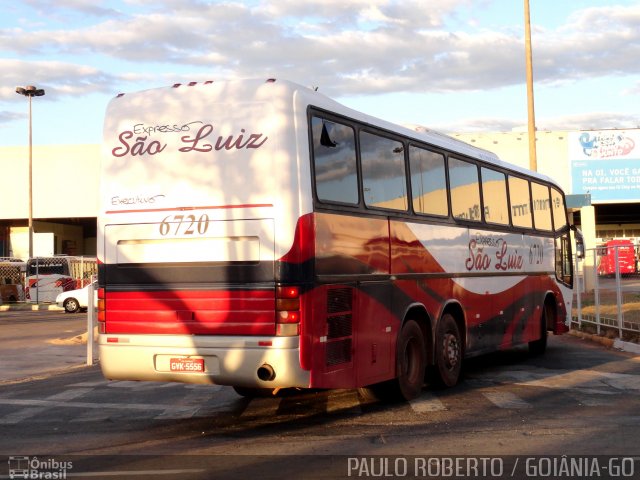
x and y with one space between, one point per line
538 347
448 351
71 305
411 362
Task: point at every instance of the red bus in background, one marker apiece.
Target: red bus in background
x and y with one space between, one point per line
260 235
627 260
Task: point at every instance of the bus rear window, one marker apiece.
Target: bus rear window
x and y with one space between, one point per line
46 269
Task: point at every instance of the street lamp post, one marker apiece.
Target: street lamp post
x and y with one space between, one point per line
30 91
533 159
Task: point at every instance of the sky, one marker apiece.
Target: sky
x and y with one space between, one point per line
450 65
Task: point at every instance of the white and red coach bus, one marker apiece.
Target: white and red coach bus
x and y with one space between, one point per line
260 235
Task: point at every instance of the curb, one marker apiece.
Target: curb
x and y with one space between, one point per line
607 342
27 307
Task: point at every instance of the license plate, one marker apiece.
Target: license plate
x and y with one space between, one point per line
186 364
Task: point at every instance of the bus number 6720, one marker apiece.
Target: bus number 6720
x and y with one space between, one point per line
184 224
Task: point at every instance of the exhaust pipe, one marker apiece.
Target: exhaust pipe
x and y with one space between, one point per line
266 373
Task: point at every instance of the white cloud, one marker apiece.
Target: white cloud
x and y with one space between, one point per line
582 121
407 48
57 78
345 47
9 117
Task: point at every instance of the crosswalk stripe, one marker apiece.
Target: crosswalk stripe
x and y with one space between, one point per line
34 410
426 403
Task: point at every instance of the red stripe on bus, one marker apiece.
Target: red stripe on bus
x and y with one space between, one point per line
194 312
186 209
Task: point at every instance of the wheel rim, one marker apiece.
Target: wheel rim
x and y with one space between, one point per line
450 351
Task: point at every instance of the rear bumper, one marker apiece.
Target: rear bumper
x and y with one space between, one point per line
227 360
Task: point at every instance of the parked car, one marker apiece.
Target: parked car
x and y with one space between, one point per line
77 300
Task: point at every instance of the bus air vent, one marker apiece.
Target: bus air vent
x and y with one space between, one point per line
339 325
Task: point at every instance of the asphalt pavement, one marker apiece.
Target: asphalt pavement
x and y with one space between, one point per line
33 347
40 348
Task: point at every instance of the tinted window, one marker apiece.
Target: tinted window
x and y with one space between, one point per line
383 173
559 211
541 207
494 195
520 202
334 156
465 192
428 182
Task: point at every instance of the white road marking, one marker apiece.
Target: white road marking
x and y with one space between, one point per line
35 409
427 402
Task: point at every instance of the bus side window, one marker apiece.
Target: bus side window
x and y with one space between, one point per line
559 210
541 207
465 190
564 265
428 182
520 202
494 194
334 157
383 172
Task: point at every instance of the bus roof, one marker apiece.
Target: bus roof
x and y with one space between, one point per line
312 97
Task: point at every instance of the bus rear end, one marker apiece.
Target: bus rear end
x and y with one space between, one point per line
200 203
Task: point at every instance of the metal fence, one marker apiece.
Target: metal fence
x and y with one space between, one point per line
607 292
40 279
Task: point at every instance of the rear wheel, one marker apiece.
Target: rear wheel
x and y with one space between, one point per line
411 361
448 351
71 305
538 347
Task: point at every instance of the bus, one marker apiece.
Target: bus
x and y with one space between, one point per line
260 235
627 260
49 276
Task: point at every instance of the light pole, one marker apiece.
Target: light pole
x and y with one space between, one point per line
30 91
533 160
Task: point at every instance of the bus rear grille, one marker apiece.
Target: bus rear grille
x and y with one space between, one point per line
339 352
339 325
339 300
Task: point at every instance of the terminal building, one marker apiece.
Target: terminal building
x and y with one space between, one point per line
599 172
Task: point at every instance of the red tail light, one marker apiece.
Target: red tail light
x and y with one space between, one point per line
287 311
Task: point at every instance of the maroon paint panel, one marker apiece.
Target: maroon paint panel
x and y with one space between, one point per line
350 357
